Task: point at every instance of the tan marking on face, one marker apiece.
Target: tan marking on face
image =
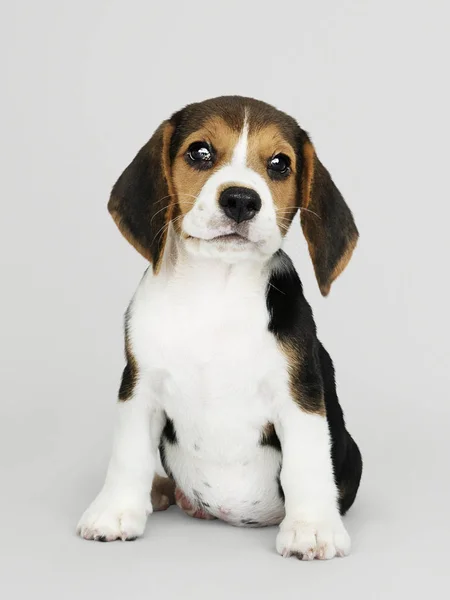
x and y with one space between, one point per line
188 181
264 143
294 358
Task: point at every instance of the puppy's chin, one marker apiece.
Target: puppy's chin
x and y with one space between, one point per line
230 249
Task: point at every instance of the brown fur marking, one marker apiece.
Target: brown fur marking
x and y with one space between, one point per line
187 181
263 143
220 124
308 173
294 359
163 493
326 221
343 262
130 374
140 201
171 200
268 431
160 172
269 436
124 230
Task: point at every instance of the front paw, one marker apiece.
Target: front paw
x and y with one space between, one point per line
113 516
321 539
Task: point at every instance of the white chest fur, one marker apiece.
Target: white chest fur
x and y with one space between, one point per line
200 336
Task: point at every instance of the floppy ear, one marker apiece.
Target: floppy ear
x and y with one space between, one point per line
141 203
327 221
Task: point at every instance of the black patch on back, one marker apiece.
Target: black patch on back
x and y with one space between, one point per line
308 377
292 323
290 314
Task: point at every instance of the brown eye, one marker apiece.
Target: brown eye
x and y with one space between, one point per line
200 155
279 166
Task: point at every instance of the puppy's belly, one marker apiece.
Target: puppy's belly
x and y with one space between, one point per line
244 491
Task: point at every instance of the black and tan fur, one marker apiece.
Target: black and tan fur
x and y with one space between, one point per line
159 188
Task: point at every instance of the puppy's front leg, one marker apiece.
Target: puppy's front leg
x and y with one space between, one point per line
312 527
121 508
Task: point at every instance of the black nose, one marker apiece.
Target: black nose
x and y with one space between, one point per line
239 203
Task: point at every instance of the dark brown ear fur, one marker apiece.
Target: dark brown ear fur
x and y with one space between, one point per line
327 221
141 201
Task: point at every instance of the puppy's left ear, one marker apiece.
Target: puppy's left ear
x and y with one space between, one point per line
326 220
141 201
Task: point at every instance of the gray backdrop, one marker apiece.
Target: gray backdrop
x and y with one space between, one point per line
84 84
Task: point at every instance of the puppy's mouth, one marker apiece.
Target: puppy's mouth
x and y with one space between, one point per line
228 238
224 239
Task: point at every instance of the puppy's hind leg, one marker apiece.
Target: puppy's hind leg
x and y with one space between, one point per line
192 508
163 492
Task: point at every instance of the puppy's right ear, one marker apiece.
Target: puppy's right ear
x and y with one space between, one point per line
141 201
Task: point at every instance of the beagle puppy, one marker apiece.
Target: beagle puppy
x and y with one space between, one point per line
224 373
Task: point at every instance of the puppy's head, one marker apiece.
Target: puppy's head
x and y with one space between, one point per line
230 174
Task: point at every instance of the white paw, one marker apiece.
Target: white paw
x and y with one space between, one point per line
113 516
308 540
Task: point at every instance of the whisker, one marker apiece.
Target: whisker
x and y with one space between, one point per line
164 198
161 231
174 196
164 208
157 213
289 210
311 211
286 224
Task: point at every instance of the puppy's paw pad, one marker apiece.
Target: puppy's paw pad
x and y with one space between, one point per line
321 540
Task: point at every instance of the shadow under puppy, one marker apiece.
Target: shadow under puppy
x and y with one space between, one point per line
225 374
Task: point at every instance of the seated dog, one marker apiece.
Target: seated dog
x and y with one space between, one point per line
224 373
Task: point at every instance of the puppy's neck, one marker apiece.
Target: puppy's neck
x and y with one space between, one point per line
180 264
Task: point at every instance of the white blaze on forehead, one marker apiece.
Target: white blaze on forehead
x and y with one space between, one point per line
239 157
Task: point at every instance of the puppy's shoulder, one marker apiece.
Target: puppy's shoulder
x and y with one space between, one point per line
290 314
